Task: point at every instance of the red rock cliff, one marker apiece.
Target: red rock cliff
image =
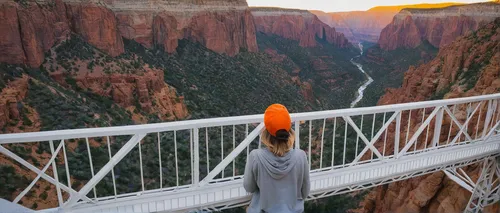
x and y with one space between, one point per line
298 25
439 27
97 25
367 25
149 90
222 26
468 66
10 97
28 30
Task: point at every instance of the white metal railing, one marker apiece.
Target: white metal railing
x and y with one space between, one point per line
122 162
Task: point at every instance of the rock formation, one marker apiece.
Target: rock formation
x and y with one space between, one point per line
96 25
222 26
468 66
299 25
29 29
147 91
366 25
439 27
450 65
10 98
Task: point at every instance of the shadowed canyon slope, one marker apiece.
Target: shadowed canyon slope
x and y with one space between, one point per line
439 27
468 66
299 25
315 55
29 29
367 25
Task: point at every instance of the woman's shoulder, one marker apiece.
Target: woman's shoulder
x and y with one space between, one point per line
253 155
299 153
255 152
296 153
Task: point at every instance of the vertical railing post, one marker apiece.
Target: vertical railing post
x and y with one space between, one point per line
437 127
397 134
196 153
297 133
56 175
487 120
310 143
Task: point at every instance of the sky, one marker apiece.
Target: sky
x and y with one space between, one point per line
342 5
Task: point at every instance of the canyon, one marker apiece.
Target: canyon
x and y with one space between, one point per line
299 25
466 67
30 29
439 27
360 26
315 55
117 62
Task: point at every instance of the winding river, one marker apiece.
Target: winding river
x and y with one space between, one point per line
368 82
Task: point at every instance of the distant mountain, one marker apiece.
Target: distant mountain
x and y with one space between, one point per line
367 25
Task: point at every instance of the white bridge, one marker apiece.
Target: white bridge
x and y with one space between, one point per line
197 165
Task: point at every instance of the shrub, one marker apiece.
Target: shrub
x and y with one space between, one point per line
44 195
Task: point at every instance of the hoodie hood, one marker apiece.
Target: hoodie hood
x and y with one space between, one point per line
277 167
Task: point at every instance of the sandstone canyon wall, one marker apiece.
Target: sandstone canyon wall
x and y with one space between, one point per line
468 66
338 22
358 25
299 25
439 27
10 97
222 26
29 29
367 25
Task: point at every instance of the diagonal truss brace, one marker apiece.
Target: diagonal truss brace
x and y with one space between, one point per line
21 195
376 137
419 131
461 179
229 158
105 169
486 191
462 127
369 144
48 178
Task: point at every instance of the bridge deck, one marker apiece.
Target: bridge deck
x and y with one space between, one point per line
323 183
198 164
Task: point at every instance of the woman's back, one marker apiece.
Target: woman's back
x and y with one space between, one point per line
278 183
277 175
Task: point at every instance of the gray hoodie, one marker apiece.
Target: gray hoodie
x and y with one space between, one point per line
278 184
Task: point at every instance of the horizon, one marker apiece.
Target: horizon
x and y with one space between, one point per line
345 6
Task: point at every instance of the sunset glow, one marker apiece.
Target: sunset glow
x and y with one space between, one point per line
342 5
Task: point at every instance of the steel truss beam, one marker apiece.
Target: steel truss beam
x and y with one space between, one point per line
211 193
486 190
322 194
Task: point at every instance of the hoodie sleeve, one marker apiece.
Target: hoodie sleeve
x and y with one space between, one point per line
249 179
306 185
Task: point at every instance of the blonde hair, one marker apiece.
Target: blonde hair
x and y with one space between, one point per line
276 146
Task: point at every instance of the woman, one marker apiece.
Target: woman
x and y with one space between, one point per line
277 175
